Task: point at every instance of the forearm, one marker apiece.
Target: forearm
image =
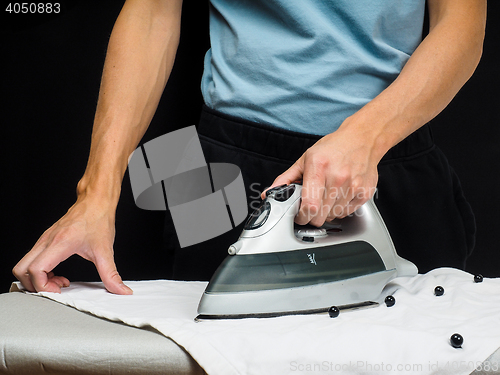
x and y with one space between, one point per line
438 68
139 59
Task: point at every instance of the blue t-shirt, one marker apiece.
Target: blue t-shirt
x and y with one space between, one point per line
306 65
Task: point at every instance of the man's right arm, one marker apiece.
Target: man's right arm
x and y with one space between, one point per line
140 56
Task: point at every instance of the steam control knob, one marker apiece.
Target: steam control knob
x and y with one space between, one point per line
310 232
281 193
275 189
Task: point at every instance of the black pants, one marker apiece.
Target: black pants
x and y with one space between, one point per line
418 194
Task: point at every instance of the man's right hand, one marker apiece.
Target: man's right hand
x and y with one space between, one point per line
140 56
87 230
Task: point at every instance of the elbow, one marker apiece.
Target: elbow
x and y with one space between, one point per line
476 50
479 33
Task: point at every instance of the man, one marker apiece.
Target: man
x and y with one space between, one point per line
333 79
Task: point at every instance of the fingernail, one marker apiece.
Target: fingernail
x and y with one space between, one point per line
126 288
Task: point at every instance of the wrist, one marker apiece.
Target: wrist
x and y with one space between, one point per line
101 189
376 138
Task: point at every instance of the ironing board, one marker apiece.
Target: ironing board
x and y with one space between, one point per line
38 335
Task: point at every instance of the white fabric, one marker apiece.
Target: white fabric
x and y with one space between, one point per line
410 337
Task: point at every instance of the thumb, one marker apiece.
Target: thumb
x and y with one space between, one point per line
109 275
292 174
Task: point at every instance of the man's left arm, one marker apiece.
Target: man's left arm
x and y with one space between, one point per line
339 172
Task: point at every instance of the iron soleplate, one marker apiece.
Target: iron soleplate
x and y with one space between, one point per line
351 307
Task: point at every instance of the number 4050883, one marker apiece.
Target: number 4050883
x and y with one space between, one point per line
33 8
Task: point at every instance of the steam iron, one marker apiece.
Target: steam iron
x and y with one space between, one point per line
278 269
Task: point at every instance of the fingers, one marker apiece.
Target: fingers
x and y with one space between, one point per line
337 177
333 203
36 267
319 191
61 281
329 191
292 174
343 209
312 209
87 229
106 267
37 280
23 277
58 243
35 270
20 271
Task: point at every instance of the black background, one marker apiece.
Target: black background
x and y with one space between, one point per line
51 74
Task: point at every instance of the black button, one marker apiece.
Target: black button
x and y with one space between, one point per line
333 311
439 291
456 340
390 301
